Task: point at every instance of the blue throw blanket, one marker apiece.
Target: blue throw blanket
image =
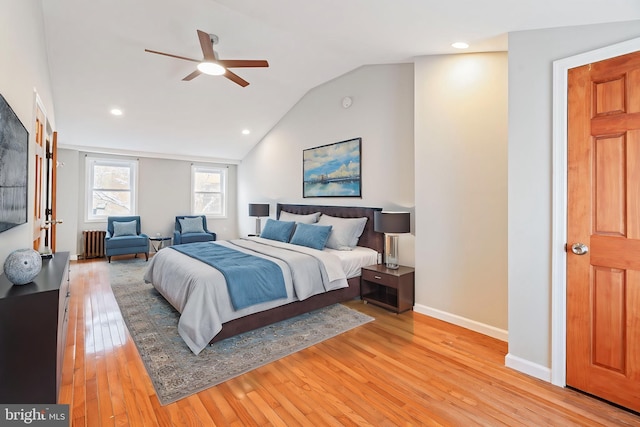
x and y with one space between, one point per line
250 279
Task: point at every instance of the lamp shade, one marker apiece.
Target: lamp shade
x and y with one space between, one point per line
391 222
258 209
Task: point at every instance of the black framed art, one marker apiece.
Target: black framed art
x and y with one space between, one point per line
14 168
333 170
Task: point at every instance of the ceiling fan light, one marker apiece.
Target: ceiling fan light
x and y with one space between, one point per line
211 68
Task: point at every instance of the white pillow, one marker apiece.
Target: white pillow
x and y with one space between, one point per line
302 219
345 232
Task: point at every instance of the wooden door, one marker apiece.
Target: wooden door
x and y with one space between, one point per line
39 216
603 284
45 178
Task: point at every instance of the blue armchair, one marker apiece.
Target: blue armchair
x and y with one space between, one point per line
194 230
124 237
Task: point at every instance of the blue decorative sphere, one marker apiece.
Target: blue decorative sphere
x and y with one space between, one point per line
22 266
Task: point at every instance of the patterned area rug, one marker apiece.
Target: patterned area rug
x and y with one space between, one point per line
175 371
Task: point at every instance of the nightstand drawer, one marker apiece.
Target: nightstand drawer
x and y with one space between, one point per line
382 278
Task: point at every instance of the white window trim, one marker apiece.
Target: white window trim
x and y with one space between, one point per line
223 170
90 161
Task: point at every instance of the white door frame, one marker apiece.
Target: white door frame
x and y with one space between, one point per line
559 199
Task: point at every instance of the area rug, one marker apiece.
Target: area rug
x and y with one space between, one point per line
176 372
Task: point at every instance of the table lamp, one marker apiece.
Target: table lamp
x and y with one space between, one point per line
258 210
391 224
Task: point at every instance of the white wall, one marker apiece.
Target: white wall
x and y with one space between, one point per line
531 55
164 191
69 189
24 69
382 114
461 189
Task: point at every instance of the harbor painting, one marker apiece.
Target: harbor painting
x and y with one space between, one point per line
332 170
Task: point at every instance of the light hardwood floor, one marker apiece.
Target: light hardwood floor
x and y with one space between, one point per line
405 369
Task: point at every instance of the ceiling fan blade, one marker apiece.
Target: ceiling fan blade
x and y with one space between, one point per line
192 76
173 56
236 78
242 63
207 46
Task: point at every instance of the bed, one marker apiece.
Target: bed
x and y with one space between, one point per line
193 287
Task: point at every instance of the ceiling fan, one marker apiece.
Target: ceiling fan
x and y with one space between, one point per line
211 65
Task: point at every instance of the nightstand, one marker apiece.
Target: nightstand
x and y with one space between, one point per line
391 289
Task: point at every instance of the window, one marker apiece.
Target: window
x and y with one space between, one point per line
208 191
111 185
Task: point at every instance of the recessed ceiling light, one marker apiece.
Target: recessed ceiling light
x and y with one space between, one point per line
246 131
116 111
211 68
460 45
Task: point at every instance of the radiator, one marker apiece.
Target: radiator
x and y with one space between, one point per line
93 243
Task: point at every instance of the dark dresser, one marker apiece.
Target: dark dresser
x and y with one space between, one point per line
33 329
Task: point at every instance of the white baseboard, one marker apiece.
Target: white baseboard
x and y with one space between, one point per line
527 367
510 361
482 328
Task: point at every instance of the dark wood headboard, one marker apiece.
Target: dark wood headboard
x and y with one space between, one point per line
369 238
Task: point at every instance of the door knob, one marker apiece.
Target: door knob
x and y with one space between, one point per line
579 248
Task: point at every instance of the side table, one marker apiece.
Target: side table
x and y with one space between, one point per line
160 242
391 289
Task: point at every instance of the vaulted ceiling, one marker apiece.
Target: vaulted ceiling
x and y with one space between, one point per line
97 59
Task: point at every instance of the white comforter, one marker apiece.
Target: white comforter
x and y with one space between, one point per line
199 291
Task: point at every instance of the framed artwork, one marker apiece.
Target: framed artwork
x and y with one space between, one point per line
332 170
14 168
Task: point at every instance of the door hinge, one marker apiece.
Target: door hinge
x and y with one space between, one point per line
50 212
566 247
49 155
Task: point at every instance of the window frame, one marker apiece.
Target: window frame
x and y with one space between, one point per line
223 171
90 163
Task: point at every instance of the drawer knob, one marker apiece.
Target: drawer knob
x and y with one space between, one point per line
377 277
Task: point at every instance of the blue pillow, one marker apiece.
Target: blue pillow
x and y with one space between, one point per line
122 228
278 230
310 235
191 225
